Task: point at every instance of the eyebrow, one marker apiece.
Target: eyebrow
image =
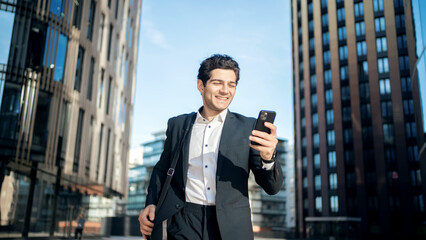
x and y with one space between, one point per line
214 79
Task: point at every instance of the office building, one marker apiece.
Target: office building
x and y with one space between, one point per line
67 83
269 212
358 122
140 175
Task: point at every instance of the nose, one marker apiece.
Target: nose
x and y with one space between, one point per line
224 88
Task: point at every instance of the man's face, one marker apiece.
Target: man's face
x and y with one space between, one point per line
219 90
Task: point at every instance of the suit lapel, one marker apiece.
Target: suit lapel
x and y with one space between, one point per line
224 139
185 147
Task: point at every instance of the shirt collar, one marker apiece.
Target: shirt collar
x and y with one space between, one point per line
221 117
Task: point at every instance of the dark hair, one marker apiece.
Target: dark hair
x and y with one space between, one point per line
216 61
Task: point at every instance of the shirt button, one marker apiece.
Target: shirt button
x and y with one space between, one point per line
205 166
210 126
206 145
208 188
177 205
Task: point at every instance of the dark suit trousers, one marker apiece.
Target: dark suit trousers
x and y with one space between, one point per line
194 222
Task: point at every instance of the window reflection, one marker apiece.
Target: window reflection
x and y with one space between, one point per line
58 44
57 7
10 111
6 25
42 119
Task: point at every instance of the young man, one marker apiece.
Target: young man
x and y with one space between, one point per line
208 194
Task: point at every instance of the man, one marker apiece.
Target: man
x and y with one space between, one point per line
80 226
208 194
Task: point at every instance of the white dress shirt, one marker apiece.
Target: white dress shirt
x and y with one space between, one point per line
202 163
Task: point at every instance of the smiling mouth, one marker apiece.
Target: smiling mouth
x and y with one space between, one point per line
222 98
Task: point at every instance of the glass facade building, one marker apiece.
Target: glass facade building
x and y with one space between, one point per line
65 110
358 119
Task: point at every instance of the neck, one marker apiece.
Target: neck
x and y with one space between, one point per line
209 115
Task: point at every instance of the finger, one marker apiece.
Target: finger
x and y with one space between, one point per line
152 213
264 134
262 141
272 127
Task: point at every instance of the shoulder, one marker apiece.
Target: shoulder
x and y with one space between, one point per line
181 118
242 118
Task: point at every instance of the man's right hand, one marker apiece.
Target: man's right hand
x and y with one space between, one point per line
145 224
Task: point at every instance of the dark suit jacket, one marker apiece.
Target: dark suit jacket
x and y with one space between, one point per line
235 160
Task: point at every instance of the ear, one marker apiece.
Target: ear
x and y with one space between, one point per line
200 86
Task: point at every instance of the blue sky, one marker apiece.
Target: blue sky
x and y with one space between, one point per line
175 36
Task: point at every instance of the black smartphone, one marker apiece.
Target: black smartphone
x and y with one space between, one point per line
264 116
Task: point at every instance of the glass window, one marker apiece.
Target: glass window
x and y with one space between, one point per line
304 162
111 28
378 5
327 76
408 107
304 142
323 3
325 38
344 73
101 88
311 25
312 43
315 120
89 149
346 112
379 24
303 123
310 8
343 52
364 68
327 57
313 81
312 62
58 48
305 182
402 42
332 159
302 103
101 31
90 79
330 138
61 54
57 7
330 117
347 135
317 161
412 152
365 111
41 121
101 131
333 181
341 14
318 204
329 96
400 21
406 84
302 85
383 65
381 44
360 29
314 100
91 20
410 129
346 94
126 67
78 141
318 182
404 63
316 140
79 69
334 204
388 133
342 33
385 87
359 9
78 8
364 90
399 3
324 19
361 48
109 95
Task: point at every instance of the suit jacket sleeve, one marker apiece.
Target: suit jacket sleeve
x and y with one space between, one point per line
159 172
270 180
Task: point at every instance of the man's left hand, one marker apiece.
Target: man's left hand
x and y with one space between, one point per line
268 142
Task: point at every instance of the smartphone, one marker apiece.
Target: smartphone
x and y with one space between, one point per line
264 116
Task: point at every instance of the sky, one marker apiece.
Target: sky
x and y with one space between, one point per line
176 36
